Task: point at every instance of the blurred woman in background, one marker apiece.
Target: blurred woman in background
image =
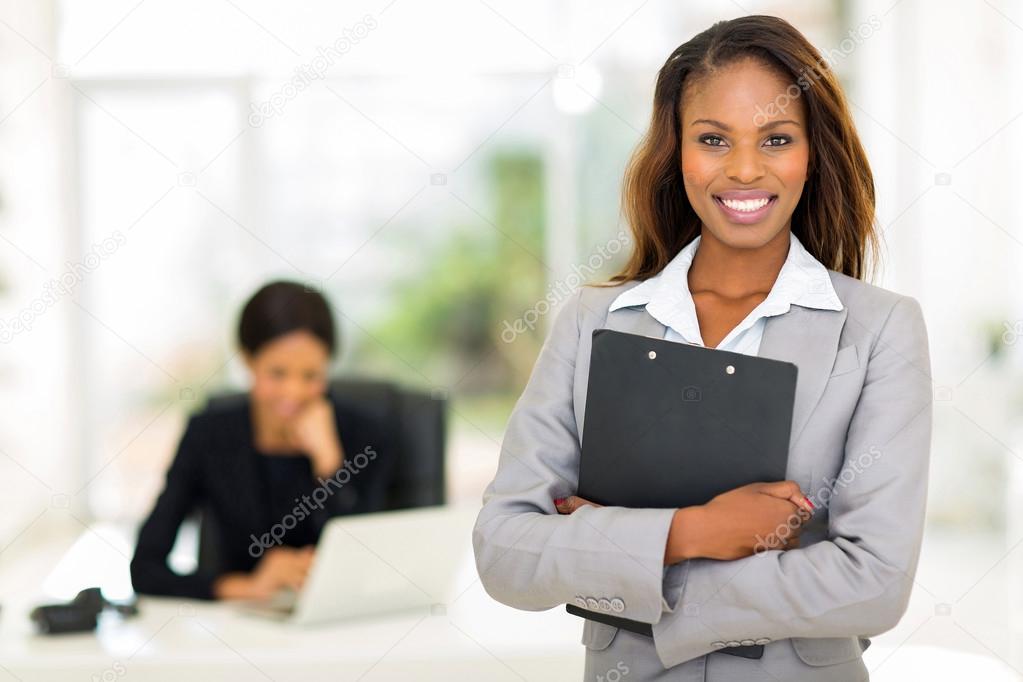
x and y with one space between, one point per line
267 470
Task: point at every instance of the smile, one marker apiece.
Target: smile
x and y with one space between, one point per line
747 210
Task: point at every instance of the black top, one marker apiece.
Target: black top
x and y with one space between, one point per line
253 502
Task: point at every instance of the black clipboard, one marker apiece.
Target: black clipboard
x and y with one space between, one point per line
670 424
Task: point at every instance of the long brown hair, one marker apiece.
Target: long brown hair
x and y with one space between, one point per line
834 218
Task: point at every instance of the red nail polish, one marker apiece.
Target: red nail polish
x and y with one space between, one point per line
809 502
558 501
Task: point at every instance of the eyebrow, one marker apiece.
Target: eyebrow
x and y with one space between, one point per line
766 126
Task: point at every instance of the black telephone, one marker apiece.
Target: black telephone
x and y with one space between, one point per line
81 614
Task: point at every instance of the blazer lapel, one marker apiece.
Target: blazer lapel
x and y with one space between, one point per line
808 338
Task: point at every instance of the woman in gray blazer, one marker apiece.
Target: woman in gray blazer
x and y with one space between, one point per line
752 207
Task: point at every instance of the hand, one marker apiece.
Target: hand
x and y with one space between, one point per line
567 505
283 567
740 522
280 567
733 525
313 431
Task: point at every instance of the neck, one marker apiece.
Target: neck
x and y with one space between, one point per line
737 273
268 430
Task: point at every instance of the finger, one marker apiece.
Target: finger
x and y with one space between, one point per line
296 577
571 503
262 592
788 490
794 538
804 514
565 505
300 565
781 489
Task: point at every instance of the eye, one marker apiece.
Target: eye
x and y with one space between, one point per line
778 140
712 140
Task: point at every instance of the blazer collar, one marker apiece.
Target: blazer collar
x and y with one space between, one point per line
806 337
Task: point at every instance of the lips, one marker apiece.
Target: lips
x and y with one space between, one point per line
745 206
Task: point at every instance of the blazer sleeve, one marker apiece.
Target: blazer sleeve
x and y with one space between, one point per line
857 581
532 558
181 495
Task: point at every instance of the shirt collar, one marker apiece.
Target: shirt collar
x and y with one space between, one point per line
802 281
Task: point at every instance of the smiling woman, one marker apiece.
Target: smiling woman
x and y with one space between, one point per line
753 114
752 206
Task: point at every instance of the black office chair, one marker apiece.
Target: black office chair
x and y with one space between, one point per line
418 422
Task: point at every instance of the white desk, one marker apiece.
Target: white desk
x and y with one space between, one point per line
176 640
476 638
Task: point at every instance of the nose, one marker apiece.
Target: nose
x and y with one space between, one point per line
293 389
744 165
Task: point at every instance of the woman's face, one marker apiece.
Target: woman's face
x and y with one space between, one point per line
288 373
744 153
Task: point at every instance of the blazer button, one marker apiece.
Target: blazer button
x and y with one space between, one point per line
592 604
580 601
747 642
605 605
617 605
762 641
718 645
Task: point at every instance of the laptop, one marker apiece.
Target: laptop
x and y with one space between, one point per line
381 563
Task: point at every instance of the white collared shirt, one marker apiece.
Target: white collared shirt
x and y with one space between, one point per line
803 281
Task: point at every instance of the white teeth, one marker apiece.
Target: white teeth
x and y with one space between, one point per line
745 206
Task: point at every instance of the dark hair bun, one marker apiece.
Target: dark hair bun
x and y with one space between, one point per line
280 308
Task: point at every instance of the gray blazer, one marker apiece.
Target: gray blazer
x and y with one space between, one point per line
860 446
